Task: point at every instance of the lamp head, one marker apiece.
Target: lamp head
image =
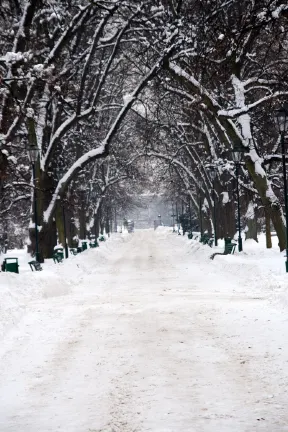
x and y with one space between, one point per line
213 173
281 118
33 153
237 156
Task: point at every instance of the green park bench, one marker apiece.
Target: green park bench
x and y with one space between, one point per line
93 244
58 255
210 242
73 251
207 240
102 238
190 236
228 250
84 245
204 238
10 265
57 258
35 265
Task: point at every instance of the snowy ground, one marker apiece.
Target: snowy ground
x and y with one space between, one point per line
146 334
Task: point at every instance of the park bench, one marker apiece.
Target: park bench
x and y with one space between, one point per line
204 238
35 265
207 240
210 242
229 248
73 251
10 265
57 258
58 254
93 244
84 245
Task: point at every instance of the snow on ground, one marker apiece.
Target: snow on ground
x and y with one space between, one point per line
55 280
258 270
146 333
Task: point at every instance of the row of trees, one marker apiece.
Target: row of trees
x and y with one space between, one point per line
102 87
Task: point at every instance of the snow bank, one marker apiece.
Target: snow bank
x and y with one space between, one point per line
19 290
261 271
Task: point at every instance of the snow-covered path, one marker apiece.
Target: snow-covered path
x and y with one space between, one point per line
149 340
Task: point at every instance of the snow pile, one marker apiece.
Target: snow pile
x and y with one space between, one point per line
260 271
19 290
15 293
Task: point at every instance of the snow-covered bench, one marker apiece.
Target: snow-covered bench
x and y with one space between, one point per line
229 250
206 239
36 265
57 258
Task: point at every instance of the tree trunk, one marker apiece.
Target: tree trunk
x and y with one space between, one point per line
251 232
96 226
268 231
251 223
271 203
226 219
60 223
47 234
107 226
71 229
115 220
82 223
47 238
102 227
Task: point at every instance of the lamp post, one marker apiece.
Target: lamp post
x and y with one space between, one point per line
173 216
65 234
213 174
33 154
190 215
159 218
200 208
177 218
281 120
237 154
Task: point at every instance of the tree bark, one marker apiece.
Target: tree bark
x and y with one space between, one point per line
251 223
96 226
47 238
107 226
47 231
71 228
268 231
102 227
251 232
115 220
60 223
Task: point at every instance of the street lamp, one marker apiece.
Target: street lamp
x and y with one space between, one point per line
200 186
177 219
237 154
173 216
281 120
159 217
213 174
190 214
33 154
